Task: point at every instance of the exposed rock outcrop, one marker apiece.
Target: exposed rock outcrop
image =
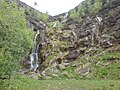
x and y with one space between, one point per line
105 23
34 18
97 35
32 21
83 43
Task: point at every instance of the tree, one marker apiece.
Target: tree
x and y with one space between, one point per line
97 5
15 40
73 14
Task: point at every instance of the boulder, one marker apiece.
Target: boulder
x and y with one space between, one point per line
72 55
106 43
85 69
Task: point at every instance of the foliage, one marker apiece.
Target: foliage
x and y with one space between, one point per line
107 66
108 72
28 11
45 16
15 40
41 16
73 14
81 9
87 7
97 5
36 14
58 25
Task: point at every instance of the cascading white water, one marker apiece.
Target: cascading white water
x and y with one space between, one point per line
98 19
65 17
34 54
55 24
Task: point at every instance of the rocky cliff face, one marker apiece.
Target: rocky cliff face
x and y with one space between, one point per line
85 46
99 28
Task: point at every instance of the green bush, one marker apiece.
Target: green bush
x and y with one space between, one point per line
15 40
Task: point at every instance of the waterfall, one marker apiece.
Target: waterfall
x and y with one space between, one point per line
65 17
34 54
55 24
98 19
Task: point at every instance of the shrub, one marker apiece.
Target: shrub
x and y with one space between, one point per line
15 40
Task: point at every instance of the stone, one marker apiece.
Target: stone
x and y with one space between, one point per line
32 21
83 34
61 66
72 55
106 43
117 35
24 63
66 64
64 73
37 25
55 75
75 65
47 77
85 69
49 70
117 25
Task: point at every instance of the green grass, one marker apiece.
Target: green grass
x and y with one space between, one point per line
111 71
25 83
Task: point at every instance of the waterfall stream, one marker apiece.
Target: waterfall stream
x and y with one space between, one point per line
34 54
65 17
